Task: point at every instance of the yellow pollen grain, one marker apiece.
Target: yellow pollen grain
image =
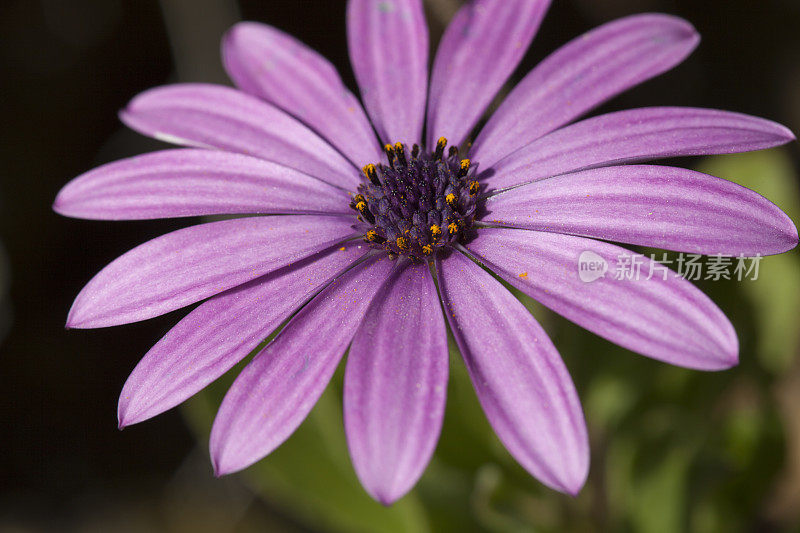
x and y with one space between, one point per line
523 275
452 228
436 230
401 243
342 249
361 206
465 164
427 249
368 169
450 198
473 187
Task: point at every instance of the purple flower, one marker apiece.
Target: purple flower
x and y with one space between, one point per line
348 257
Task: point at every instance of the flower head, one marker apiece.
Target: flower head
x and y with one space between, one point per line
357 219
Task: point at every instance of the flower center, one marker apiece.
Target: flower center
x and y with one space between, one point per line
419 202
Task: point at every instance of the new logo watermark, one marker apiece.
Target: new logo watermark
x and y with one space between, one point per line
635 267
591 266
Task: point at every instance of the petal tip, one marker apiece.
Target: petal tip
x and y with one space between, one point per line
784 134
386 501
58 204
785 237
223 466
574 491
76 319
125 415
124 116
729 356
791 235
385 496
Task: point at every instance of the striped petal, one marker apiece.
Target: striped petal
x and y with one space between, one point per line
480 49
522 384
662 207
581 75
222 331
388 43
395 385
664 317
213 116
191 264
636 135
277 390
268 63
192 182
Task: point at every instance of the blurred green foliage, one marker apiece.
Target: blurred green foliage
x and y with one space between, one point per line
672 449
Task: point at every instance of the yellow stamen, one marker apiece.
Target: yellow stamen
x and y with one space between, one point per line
440 145
450 199
400 152
427 249
371 173
452 228
474 187
436 230
402 243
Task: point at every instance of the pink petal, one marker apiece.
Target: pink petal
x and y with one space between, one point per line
636 135
480 49
388 42
522 384
213 116
272 65
277 390
581 75
662 207
190 182
395 385
188 265
222 331
666 319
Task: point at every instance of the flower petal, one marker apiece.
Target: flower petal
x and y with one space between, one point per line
581 75
222 331
395 385
388 42
663 207
214 116
666 319
481 47
636 135
268 63
188 265
522 384
275 392
192 182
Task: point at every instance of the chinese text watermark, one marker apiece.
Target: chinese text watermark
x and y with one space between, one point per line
692 267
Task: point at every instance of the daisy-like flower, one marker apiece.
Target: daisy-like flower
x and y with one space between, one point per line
372 224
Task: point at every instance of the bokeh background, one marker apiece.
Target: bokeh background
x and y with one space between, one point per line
672 450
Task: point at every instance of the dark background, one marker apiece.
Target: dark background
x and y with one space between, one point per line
67 68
